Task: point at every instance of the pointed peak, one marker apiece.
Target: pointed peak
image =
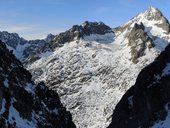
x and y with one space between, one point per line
153 9
153 13
49 37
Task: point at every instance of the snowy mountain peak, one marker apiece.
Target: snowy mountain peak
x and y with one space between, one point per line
155 23
153 9
153 17
153 13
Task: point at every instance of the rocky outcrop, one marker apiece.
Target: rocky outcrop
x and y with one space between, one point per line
24 104
139 41
27 51
32 52
144 103
11 39
79 31
49 37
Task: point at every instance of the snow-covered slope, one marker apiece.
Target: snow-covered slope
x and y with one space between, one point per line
93 71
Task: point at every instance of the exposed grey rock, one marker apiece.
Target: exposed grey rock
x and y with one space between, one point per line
12 39
79 31
49 37
139 41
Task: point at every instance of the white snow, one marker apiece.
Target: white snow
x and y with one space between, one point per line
55 111
108 73
106 38
160 37
166 70
2 104
45 54
30 88
18 52
6 83
130 99
165 123
14 116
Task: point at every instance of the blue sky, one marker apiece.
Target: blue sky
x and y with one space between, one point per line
34 19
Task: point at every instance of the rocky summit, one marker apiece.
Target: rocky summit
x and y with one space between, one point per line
24 104
77 32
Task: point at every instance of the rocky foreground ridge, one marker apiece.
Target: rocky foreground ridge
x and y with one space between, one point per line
23 104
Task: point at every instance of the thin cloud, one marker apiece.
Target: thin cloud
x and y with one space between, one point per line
29 31
10 14
40 34
102 10
50 2
16 28
127 3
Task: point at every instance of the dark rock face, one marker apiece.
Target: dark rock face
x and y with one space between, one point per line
144 103
49 37
94 28
24 104
139 41
31 53
77 32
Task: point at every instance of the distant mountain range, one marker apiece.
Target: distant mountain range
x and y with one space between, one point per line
91 66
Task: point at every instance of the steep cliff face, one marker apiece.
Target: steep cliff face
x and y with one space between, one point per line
144 104
24 104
